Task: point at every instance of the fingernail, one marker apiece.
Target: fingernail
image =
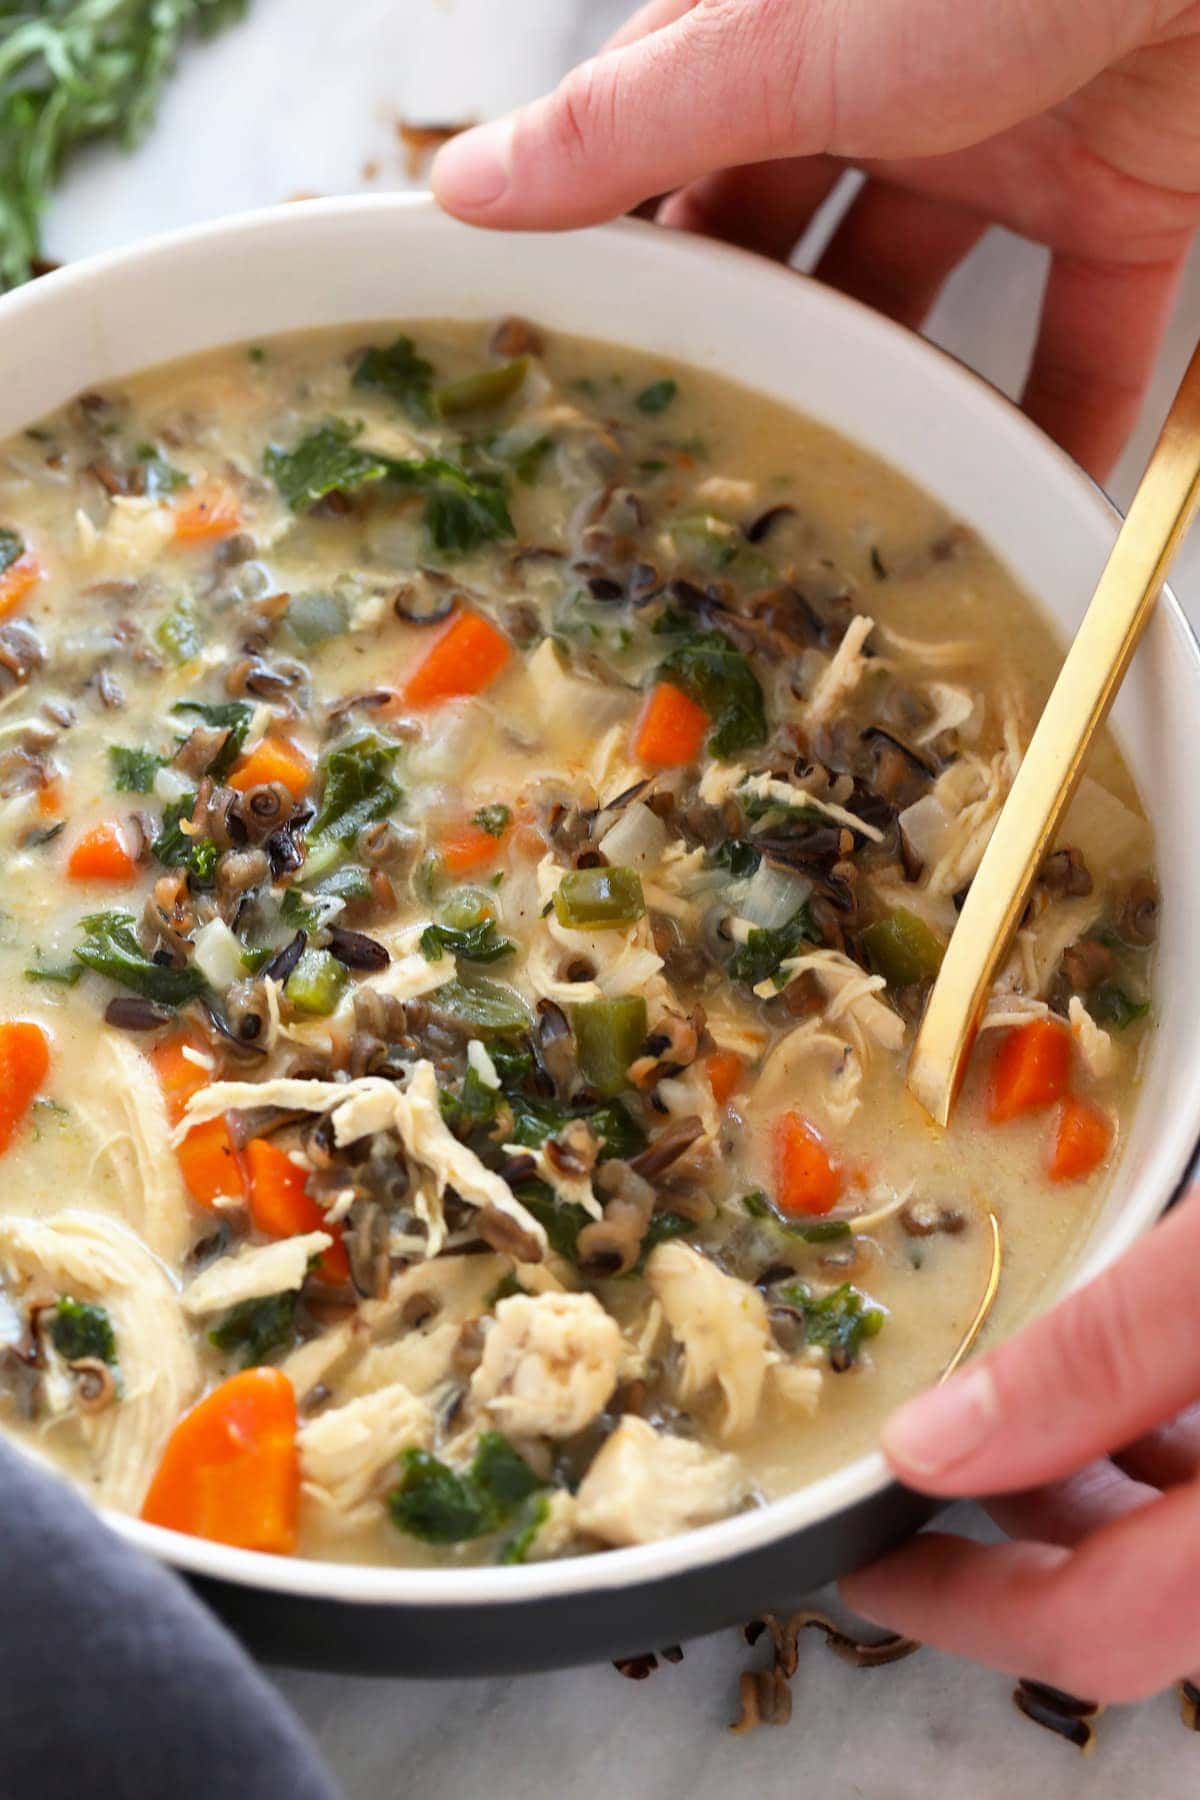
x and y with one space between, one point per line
471 171
943 1427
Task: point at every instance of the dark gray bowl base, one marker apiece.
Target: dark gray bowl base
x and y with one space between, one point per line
560 1631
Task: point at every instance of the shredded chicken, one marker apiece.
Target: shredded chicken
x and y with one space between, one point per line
794 794
849 991
346 1451
843 675
253 1273
119 1103
549 1364
817 1062
359 1109
1094 1044
721 1325
92 1258
644 1485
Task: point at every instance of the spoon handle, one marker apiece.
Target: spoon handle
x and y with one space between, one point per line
1161 511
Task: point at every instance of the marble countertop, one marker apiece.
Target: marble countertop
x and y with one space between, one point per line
301 99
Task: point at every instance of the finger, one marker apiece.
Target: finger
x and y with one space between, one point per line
1066 1512
1167 1457
1100 330
895 249
765 207
647 117
1099 1370
648 18
1116 1619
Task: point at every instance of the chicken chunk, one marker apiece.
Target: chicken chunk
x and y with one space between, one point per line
721 1324
344 1452
549 1365
94 1259
254 1273
644 1485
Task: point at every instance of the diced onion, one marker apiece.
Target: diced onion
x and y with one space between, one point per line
218 955
773 896
637 840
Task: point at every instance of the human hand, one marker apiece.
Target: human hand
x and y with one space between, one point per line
1075 124
1087 1425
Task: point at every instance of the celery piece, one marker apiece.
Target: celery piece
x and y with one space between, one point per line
315 618
903 949
608 1036
599 899
178 633
489 1006
483 391
316 983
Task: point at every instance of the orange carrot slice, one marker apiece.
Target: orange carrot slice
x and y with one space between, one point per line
1082 1140
280 1205
1030 1069
208 512
671 728
275 759
230 1470
468 848
103 854
18 581
807 1180
24 1060
724 1070
211 1167
466 656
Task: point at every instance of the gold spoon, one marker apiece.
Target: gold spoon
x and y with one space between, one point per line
1095 666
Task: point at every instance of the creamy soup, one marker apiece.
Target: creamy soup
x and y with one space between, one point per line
480 815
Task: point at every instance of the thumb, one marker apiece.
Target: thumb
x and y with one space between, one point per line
710 84
646 117
1097 1372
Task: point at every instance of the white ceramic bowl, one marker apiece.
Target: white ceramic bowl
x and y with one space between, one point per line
341 261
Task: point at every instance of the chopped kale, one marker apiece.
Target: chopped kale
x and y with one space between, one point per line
527 464
759 958
517 1549
720 679
812 1231
462 511
839 1322
12 548
174 849
1110 1004
561 1220
62 976
657 397
134 770
74 72
495 820
110 947
257 1328
81 1330
233 716
535 1119
736 855
325 462
479 943
397 371
439 1505
313 906
358 790
159 479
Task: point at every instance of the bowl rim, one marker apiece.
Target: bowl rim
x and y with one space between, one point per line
866 1476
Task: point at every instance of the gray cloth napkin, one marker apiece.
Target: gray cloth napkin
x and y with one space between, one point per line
115 1682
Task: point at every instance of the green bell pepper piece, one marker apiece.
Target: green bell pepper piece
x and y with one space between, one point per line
483 391
599 899
489 1006
317 983
608 1036
903 949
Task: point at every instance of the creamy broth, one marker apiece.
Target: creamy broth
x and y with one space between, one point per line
479 815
